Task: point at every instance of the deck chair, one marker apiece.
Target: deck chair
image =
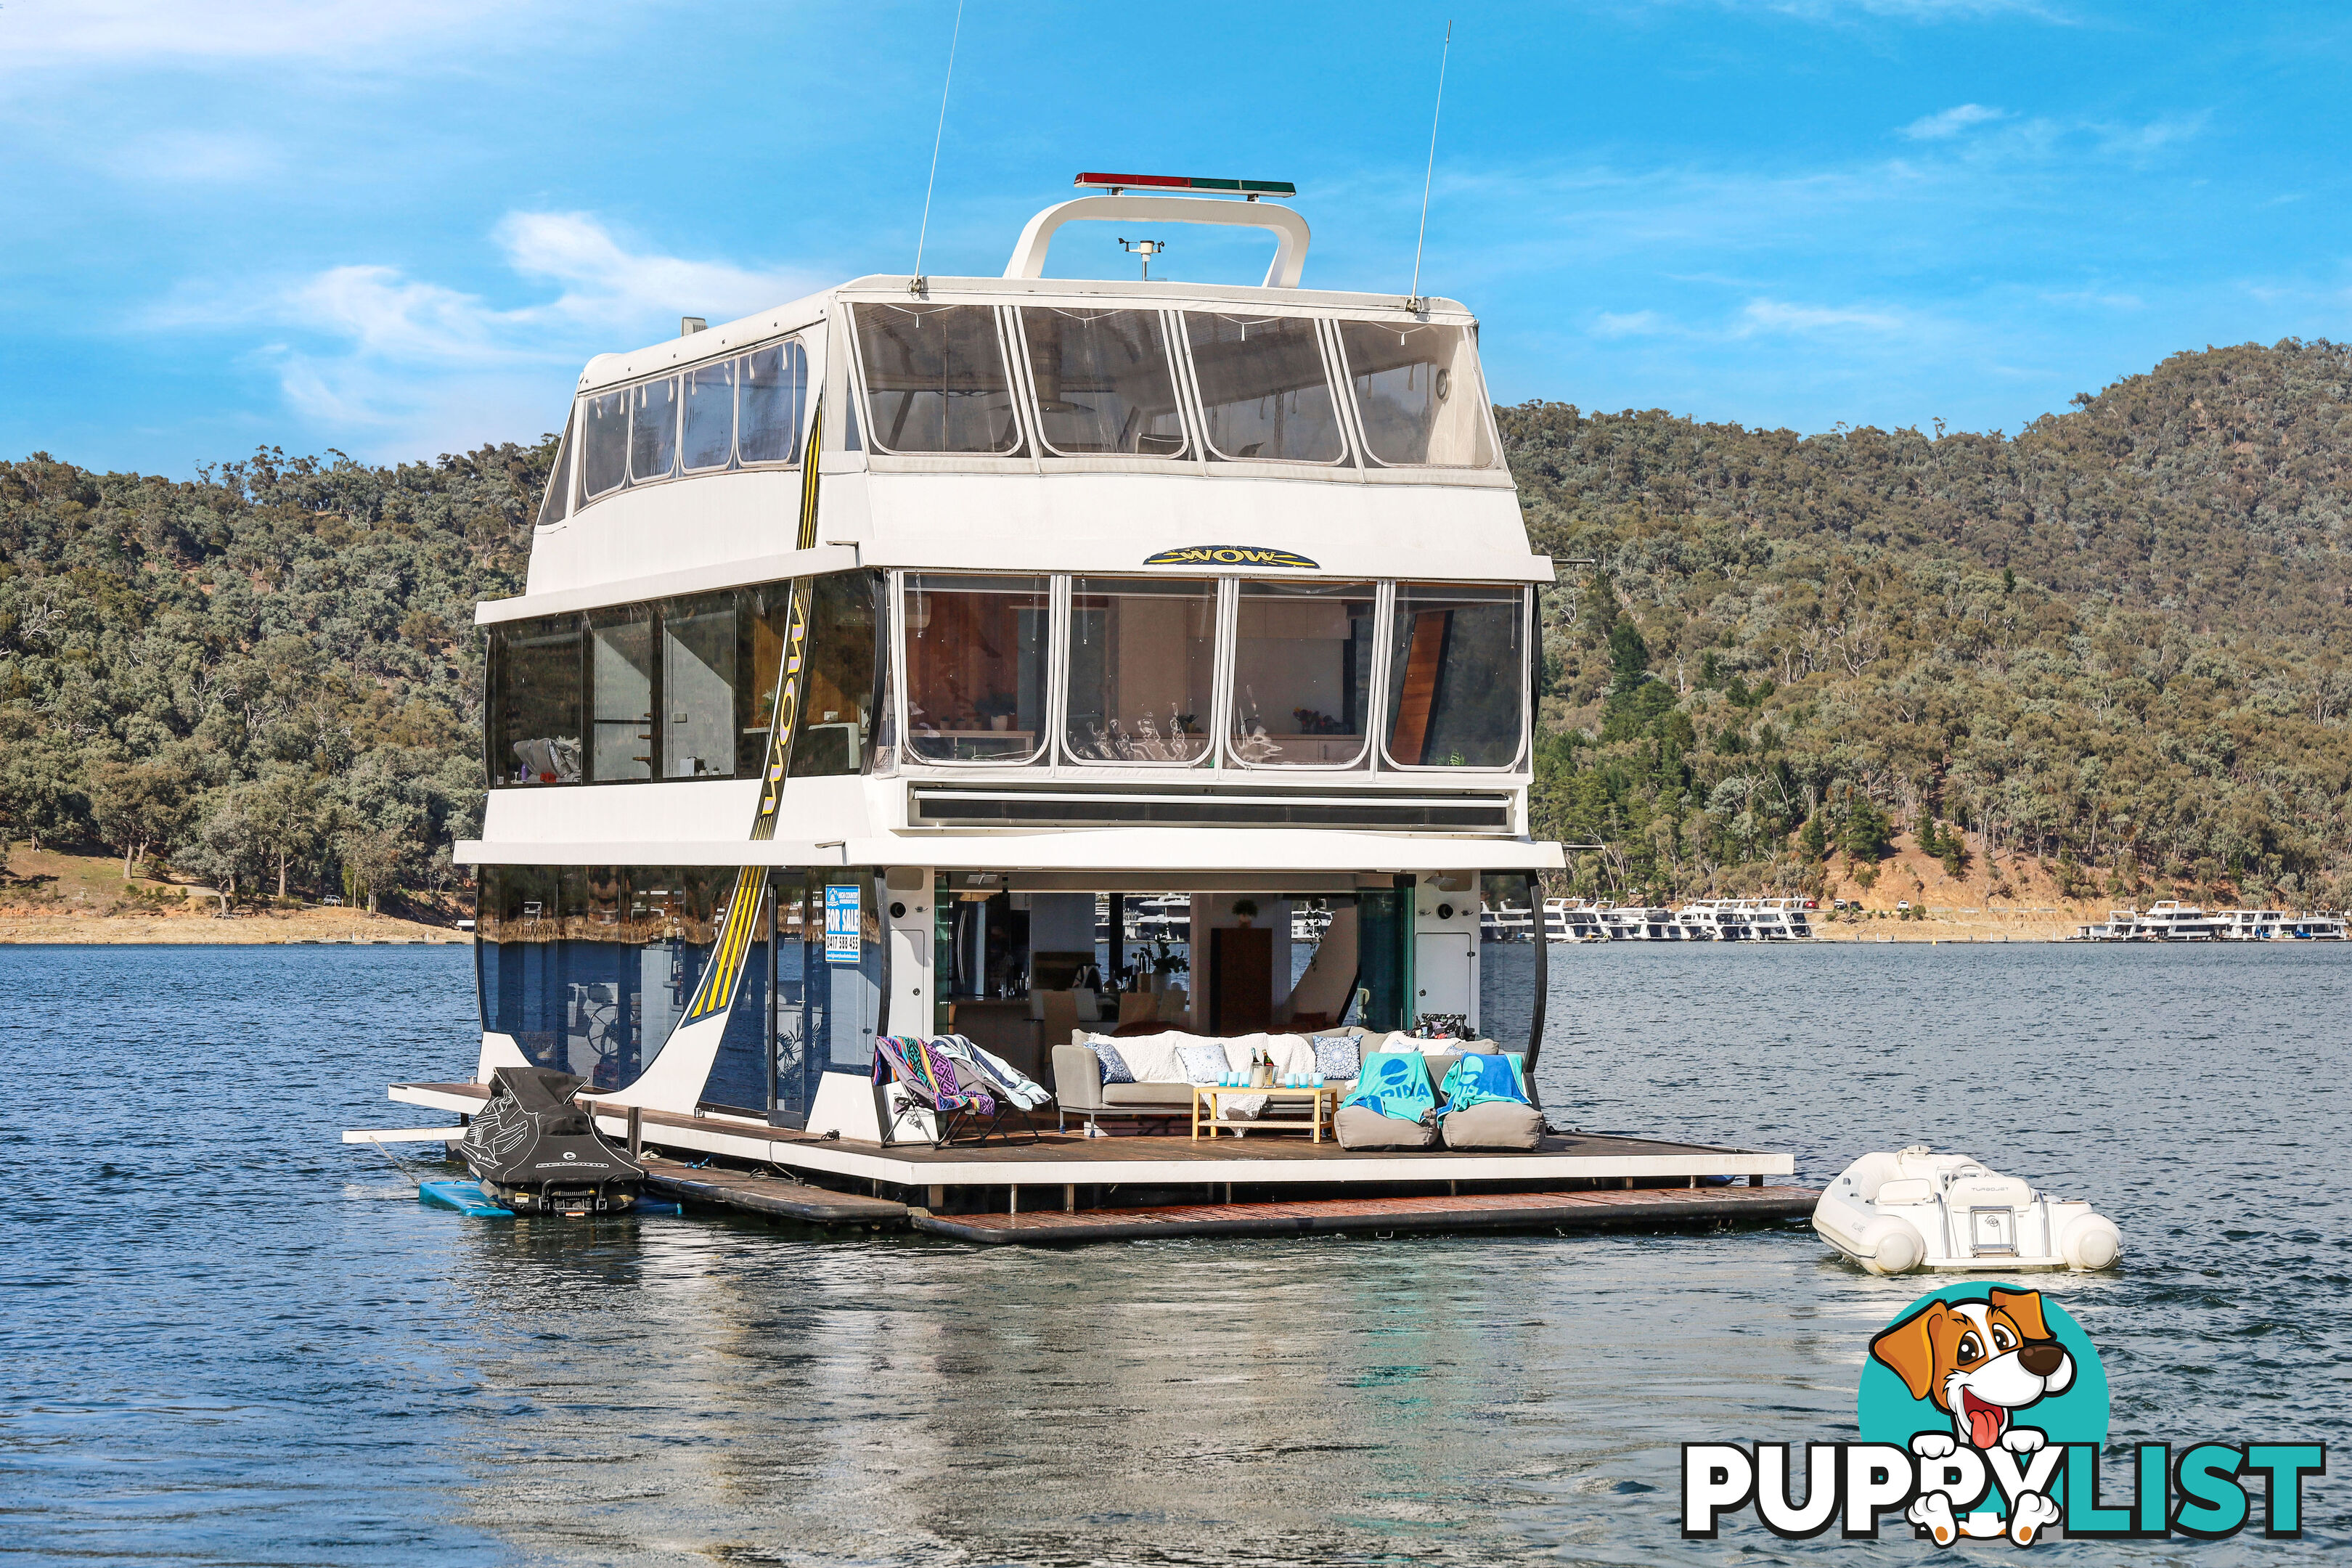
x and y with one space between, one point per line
933 1084
1024 1093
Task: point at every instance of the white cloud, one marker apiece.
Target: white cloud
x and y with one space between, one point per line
199 156
2139 140
1778 316
1950 122
65 33
1632 324
365 348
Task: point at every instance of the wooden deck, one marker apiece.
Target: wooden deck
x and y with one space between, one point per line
772 1195
1065 1159
1383 1216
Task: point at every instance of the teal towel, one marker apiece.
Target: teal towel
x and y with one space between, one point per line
1475 1080
1396 1084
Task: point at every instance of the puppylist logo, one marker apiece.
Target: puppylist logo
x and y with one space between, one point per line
1983 1410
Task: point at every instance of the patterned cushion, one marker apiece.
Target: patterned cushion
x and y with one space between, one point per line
1203 1064
1337 1056
1114 1066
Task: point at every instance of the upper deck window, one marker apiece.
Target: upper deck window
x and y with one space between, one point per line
1417 393
1105 384
936 379
772 398
604 442
556 505
709 416
1265 388
652 431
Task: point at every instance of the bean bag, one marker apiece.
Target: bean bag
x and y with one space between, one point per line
1393 1106
1487 1105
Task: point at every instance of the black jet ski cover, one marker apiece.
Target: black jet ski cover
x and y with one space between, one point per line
535 1151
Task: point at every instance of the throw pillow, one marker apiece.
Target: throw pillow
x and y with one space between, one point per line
1114 1066
1203 1064
1337 1056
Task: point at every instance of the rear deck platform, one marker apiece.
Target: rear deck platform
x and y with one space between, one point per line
1125 1179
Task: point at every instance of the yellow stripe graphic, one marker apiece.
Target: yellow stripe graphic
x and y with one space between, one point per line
722 975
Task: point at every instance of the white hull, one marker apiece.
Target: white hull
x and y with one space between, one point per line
1893 1213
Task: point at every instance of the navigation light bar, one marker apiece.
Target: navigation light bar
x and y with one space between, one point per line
1252 189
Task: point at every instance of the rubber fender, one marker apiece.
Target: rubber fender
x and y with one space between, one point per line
2091 1241
1895 1246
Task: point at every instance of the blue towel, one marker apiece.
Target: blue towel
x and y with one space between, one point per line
1395 1084
1477 1078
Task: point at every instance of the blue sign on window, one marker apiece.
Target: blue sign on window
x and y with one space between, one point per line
842 938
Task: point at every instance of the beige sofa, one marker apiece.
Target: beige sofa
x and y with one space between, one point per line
1160 1088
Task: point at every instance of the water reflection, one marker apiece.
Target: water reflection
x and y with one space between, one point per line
228 1338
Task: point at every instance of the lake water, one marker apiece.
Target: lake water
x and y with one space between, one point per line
226 1338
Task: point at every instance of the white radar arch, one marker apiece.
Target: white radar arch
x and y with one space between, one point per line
1289 228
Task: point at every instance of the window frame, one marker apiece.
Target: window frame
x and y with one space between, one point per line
1375 463
1343 401
1367 758
630 393
1519 758
1220 672
1192 450
1048 753
1020 391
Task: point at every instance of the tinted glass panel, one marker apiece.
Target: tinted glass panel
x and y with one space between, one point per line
653 430
760 619
698 677
604 442
621 694
1104 382
976 668
1263 388
1417 393
1302 674
1142 658
589 968
935 379
556 505
1457 677
773 394
837 715
709 416
535 701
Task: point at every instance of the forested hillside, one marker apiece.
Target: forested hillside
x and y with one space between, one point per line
269 675
2114 644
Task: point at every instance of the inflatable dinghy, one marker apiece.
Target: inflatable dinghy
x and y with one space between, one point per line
1918 1209
536 1153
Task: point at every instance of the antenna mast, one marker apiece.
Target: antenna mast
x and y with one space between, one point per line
919 284
1414 302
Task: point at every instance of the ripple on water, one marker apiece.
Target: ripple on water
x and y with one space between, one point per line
230 1339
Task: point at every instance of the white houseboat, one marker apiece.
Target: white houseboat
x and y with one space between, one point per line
869 640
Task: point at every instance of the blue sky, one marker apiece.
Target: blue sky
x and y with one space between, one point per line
397 227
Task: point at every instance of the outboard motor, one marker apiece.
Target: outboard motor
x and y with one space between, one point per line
535 1151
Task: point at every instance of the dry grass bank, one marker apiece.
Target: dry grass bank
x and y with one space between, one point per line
81 899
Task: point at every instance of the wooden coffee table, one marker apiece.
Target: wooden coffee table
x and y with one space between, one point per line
1323 1103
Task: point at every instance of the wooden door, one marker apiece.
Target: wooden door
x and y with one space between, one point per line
1241 983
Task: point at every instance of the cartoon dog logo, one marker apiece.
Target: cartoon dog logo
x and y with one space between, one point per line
1980 1363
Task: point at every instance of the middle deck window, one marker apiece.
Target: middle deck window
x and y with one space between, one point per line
976 658
1142 663
1302 674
